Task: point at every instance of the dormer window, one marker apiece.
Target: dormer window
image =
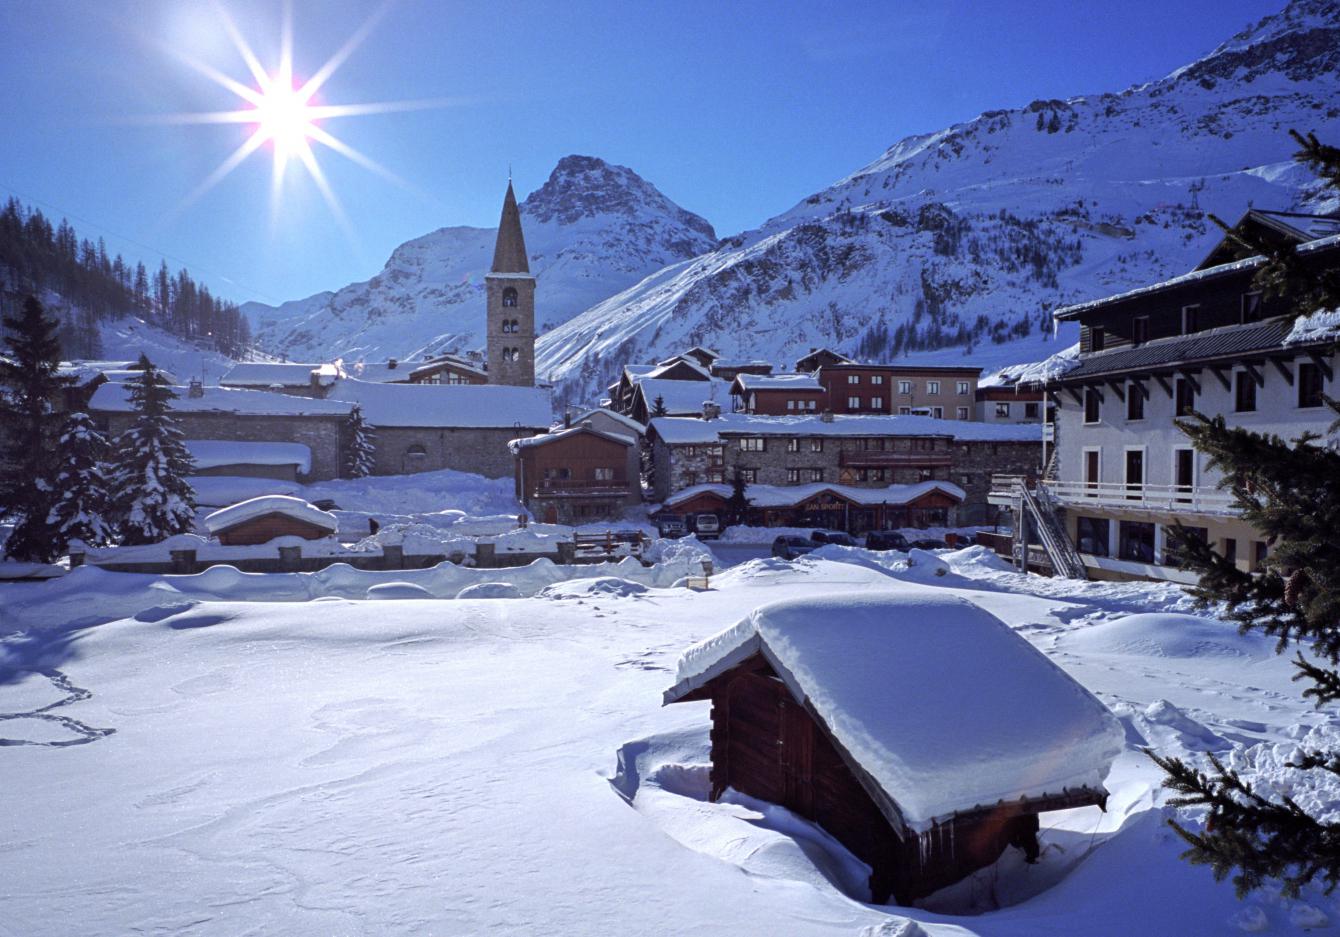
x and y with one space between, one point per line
1190 319
1139 330
1251 307
1097 337
509 297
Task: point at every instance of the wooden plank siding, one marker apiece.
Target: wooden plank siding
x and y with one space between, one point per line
265 528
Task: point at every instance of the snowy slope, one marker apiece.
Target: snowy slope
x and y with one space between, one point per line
592 230
966 238
128 337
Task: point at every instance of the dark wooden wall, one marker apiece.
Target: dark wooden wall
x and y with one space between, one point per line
266 528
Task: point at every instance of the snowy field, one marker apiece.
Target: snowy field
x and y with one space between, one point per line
242 759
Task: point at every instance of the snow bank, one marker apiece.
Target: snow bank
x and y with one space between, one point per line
398 590
598 586
490 590
944 705
1171 635
419 493
212 453
296 508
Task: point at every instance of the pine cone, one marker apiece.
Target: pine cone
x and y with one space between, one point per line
1293 587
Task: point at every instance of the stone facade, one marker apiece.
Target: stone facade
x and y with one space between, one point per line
405 450
324 434
511 303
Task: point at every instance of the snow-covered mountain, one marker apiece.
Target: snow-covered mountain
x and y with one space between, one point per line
592 230
959 243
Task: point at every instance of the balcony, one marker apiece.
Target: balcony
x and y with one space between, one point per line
874 458
580 488
1165 499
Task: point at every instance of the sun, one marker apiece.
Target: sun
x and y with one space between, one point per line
284 114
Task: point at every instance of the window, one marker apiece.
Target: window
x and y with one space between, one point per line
873 444
1251 307
1136 541
790 405
1228 549
904 411
690 479
689 451
1092 535
749 476
1172 556
753 444
904 387
1244 392
853 378
853 403
1031 411
816 474
1309 385
509 297
604 474
1097 338
1092 405
932 387
1135 402
1139 330
559 474
811 404
938 412
921 444
816 445
876 403
1259 553
961 388
793 476
1135 473
1184 473
962 413
1002 411
793 444
877 379
1186 397
1092 463
1190 318
716 477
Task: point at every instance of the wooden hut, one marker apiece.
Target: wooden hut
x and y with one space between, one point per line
260 520
919 730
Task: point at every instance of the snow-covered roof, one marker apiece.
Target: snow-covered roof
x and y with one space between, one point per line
689 430
748 383
1318 327
682 397
544 439
678 361
620 418
116 398
1036 372
769 496
212 453
268 374
82 372
938 702
448 405
1248 263
296 508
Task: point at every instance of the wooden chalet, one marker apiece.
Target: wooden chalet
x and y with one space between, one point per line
820 358
449 369
919 731
576 475
778 394
829 507
260 520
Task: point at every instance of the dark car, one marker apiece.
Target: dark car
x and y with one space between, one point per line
834 536
929 543
789 547
671 526
326 504
886 540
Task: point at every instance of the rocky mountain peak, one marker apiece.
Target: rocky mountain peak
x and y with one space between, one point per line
585 186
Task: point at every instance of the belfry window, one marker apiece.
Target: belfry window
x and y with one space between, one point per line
509 297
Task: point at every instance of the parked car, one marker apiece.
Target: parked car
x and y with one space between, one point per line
929 543
671 527
886 540
326 504
707 526
834 536
788 547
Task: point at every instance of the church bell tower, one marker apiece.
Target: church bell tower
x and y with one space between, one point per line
511 303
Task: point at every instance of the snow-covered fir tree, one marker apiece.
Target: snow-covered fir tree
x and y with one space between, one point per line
362 446
29 389
82 498
152 498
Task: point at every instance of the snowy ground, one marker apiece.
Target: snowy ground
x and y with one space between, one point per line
337 766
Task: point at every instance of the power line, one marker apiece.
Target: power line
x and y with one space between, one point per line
140 244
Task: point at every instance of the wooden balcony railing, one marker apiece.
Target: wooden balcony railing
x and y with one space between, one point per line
580 487
874 458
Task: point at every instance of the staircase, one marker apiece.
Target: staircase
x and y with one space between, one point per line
1036 505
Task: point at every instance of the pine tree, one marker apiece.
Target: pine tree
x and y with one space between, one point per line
737 505
658 406
362 446
29 389
82 499
152 499
1287 491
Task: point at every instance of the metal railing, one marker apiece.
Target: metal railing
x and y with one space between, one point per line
878 458
1172 498
580 486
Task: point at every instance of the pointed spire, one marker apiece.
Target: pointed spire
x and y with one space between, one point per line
509 256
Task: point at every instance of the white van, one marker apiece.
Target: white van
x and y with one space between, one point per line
707 526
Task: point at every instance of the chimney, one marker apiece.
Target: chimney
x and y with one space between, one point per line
826 416
391 364
711 410
195 388
567 417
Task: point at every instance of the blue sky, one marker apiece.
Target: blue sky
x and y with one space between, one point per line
735 110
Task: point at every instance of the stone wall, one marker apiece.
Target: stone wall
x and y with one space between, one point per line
479 451
322 434
976 462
